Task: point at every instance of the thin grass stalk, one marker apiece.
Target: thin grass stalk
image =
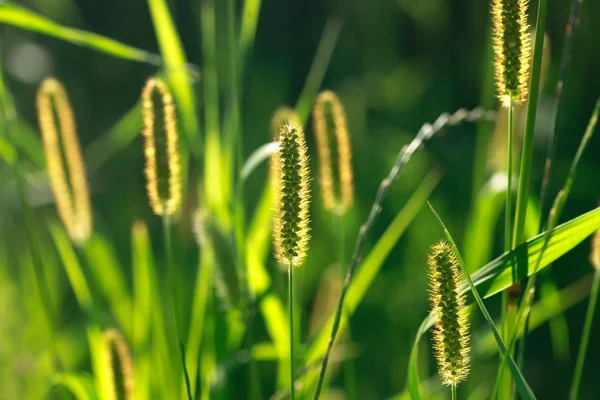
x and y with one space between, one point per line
453 391
527 153
171 274
585 336
509 167
426 132
291 315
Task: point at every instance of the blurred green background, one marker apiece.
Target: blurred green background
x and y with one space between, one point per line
396 65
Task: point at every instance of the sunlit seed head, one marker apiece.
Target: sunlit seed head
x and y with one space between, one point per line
451 332
118 367
71 195
595 253
512 48
163 174
292 196
328 104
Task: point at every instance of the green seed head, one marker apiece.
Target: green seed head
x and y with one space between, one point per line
292 195
512 48
451 333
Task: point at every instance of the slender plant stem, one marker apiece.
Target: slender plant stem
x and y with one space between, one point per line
527 154
424 134
291 314
585 336
509 167
349 375
453 386
171 290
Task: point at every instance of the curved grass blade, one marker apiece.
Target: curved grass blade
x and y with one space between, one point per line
257 157
522 385
177 70
81 386
28 20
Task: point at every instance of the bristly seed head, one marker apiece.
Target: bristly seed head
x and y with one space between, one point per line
119 369
595 253
512 48
163 170
329 104
292 196
72 195
451 333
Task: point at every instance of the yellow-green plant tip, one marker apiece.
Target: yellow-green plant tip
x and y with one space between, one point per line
292 196
329 103
280 117
71 195
117 354
163 169
451 333
512 48
595 253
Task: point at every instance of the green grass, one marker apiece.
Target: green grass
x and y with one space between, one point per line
203 311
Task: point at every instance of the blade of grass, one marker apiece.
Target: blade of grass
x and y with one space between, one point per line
522 385
317 70
527 152
22 18
81 386
248 28
123 133
177 71
72 267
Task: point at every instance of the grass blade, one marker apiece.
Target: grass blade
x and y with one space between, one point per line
81 386
177 70
28 20
522 385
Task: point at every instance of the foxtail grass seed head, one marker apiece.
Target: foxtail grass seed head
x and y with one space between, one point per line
328 103
163 170
119 384
451 332
512 48
292 196
595 253
72 195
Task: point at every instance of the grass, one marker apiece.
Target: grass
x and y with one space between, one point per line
206 318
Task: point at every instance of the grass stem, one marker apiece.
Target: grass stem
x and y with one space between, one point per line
291 315
585 336
453 386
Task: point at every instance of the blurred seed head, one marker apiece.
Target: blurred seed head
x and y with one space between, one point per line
595 253
163 170
119 367
72 194
328 104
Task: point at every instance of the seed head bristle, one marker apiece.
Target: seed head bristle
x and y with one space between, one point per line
595 253
512 48
281 116
163 170
115 345
329 101
292 196
72 196
451 332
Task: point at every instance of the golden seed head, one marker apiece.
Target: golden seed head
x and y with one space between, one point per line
292 196
512 48
595 253
72 196
163 170
328 103
121 366
451 332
